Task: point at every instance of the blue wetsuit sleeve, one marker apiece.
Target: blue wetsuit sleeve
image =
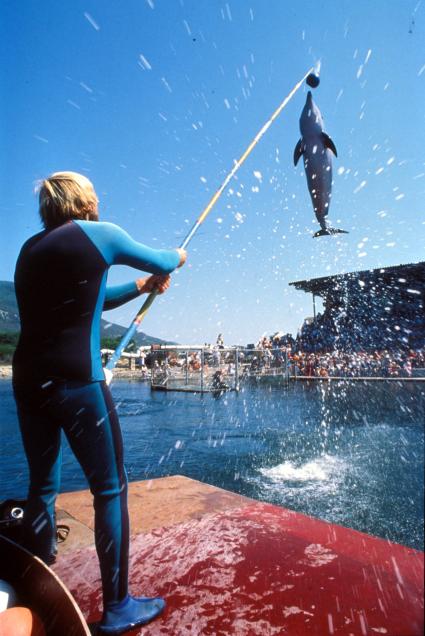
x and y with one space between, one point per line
130 252
118 248
119 294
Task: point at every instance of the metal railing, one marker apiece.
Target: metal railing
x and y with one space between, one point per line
212 369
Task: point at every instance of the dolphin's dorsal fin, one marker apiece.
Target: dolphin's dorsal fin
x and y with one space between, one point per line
328 143
298 151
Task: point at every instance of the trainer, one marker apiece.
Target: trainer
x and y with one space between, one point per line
58 380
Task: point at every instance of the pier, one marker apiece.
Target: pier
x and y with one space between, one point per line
231 566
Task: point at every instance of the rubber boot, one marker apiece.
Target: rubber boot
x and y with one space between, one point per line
121 617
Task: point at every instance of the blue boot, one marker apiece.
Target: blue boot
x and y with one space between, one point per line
120 617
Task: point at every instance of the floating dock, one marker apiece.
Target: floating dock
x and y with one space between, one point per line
231 566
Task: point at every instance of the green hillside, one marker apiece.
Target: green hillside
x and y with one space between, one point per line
9 318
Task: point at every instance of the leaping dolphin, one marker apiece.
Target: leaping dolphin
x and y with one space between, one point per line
316 146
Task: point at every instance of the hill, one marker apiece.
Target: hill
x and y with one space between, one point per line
9 319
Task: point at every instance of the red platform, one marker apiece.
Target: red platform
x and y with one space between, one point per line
260 570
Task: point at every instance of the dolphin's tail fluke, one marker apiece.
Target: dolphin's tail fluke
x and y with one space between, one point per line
329 231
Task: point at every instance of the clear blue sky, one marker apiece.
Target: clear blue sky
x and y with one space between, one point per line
154 99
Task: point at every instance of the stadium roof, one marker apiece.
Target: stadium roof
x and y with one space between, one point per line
413 273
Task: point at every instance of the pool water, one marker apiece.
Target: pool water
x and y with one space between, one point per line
351 453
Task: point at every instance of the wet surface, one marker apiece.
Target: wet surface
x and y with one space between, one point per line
243 567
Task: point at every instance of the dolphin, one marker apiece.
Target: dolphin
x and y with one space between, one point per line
316 147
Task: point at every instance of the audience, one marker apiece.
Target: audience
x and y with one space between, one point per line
386 340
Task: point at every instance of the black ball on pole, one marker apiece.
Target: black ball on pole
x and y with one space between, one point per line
313 80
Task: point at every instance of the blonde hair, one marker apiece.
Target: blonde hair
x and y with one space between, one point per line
64 196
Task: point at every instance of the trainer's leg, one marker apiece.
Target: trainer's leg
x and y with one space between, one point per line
42 444
91 425
94 434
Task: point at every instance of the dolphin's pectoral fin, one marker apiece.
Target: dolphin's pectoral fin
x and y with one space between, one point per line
298 151
328 143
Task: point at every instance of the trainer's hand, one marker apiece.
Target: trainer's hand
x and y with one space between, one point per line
156 282
183 256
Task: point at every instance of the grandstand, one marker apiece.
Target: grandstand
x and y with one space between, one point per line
368 310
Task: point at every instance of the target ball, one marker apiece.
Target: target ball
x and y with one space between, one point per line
21 621
8 596
313 80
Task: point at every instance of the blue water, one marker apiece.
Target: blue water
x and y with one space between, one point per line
350 453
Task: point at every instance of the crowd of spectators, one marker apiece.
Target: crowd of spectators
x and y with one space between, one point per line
281 355
377 336
367 326
383 340
285 352
333 345
358 364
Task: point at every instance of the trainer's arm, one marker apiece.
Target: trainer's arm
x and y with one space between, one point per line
120 294
117 295
118 248
124 250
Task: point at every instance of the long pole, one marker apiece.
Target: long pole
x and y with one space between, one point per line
112 362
